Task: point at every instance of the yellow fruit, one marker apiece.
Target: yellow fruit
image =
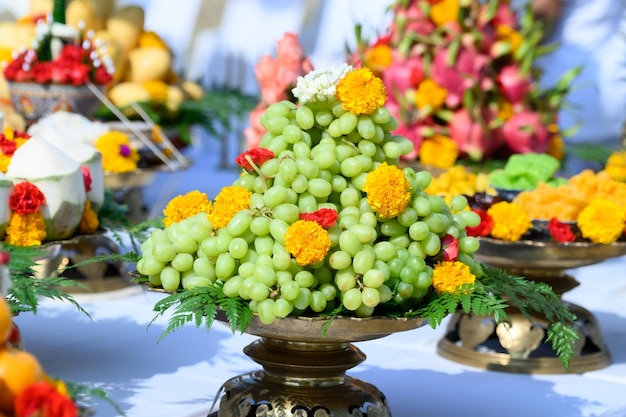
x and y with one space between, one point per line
126 25
6 321
85 13
18 370
149 64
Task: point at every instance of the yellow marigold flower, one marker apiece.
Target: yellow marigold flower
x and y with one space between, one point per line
556 147
388 190
89 221
510 221
505 110
307 241
438 151
444 11
510 35
183 206
229 202
429 95
150 39
378 57
117 153
361 92
157 90
448 276
4 162
602 221
616 165
26 229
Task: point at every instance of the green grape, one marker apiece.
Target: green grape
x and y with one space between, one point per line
431 245
362 261
325 156
334 128
339 183
437 222
170 278
308 168
288 170
281 260
266 312
370 297
359 180
282 308
364 311
283 277
437 203
290 290
246 269
352 299
419 231
150 266
302 150
337 109
158 235
344 151
185 244
347 123
305 279
458 202
392 150
381 115
472 219
260 225
402 241
349 243
299 184
292 134
351 167
277 145
278 228
408 217
379 135
373 278
458 221
363 232
194 281
259 291
319 187
278 109
365 162
238 248
275 125
395 266
424 280
275 195
270 168
182 262
260 185
453 230
366 127
416 262
339 260
350 197
423 179
323 117
199 232
154 279
405 145
318 301
246 181
368 218
210 246
303 300
384 250
391 125
469 244
345 279
203 267
408 274
404 289
265 275
305 117
329 291
415 249
367 148
163 252
421 205
232 287
392 228
264 245
225 266
385 293
264 260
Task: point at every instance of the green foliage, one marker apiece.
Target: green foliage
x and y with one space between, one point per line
85 394
201 305
26 289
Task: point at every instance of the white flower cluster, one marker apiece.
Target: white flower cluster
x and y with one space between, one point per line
319 85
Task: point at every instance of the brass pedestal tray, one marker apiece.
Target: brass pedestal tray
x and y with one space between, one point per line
95 277
304 372
520 346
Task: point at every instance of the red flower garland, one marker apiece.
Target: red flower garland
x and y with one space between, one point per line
325 217
26 198
42 399
560 232
258 156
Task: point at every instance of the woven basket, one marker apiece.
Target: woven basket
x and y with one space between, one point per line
34 101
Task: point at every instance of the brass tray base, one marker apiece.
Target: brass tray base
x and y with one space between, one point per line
521 347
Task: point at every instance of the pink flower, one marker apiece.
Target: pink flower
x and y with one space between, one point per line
470 136
513 85
410 19
525 133
450 246
403 74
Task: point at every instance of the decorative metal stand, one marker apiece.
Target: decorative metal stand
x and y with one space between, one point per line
304 372
520 346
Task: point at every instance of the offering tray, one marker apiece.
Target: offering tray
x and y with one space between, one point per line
520 346
304 369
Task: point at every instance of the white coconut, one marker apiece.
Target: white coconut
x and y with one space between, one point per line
58 177
71 124
84 154
6 185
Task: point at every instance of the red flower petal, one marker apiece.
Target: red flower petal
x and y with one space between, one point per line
325 217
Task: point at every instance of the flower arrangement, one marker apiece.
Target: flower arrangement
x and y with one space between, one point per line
118 154
589 207
462 82
323 222
276 77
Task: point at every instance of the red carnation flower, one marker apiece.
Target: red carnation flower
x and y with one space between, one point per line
26 198
258 156
7 146
86 177
560 232
485 226
42 399
450 246
325 217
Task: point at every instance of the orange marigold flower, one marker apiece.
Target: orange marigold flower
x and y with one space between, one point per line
510 221
184 206
449 276
26 229
616 165
307 241
379 57
229 202
89 221
388 190
438 151
361 92
510 35
429 96
556 147
444 11
602 221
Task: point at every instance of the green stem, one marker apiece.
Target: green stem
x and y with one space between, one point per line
58 12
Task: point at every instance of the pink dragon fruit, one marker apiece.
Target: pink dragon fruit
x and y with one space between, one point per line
525 133
463 74
470 137
513 85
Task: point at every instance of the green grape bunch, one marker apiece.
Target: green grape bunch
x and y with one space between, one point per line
316 159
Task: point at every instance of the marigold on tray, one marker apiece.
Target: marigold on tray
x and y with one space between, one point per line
183 206
229 202
388 190
448 276
26 229
307 241
361 92
510 221
602 221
